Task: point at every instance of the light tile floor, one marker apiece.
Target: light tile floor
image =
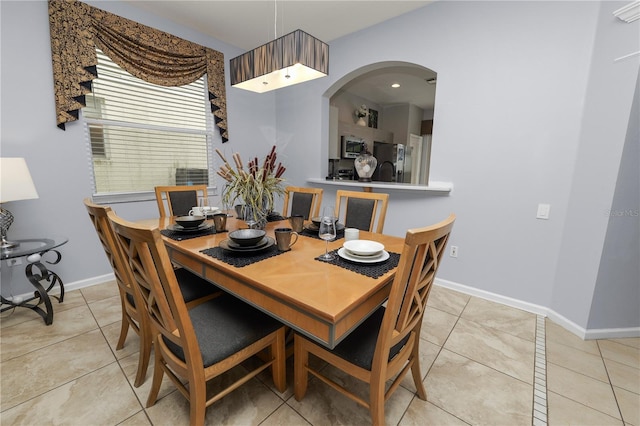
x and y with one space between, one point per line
484 364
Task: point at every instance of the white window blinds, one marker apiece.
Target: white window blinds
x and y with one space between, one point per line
140 135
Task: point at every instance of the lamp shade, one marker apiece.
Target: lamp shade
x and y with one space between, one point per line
293 58
15 180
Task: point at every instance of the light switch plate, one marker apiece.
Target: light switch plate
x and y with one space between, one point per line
543 211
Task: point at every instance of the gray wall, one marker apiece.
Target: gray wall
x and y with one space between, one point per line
618 284
605 116
527 93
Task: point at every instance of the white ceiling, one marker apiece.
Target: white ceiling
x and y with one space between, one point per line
247 24
250 23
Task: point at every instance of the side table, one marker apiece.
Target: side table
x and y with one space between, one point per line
34 250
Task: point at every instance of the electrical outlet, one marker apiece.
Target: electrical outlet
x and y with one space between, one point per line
14 262
453 251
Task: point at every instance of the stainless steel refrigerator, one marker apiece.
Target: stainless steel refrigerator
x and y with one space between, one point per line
403 163
394 162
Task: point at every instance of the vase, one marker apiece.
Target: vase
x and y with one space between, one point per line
259 215
365 165
361 122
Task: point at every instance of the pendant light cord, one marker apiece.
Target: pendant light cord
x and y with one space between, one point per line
275 19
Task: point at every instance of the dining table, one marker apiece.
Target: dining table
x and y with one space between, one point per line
322 300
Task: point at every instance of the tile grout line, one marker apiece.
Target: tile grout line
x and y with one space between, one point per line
540 375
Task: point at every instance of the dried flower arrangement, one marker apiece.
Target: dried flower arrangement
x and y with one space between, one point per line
255 187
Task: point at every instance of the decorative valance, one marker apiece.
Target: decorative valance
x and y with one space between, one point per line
144 52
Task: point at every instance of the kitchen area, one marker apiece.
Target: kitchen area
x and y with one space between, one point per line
388 114
402 150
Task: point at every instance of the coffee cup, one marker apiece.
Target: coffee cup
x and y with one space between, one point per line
220 222
297 222
239 208
351 234
197 211
283 238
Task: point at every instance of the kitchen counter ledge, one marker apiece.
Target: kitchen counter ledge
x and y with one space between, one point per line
437 188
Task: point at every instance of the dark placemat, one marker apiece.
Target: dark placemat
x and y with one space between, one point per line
180 236
372 270
241 259
314 234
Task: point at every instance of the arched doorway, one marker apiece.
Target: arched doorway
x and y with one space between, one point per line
397 126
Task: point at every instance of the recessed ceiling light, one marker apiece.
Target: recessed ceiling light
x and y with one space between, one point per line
395 85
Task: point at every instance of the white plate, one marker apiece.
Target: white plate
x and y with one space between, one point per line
363 247
343 253
212 210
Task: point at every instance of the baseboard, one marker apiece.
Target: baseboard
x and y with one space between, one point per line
482 294
77 285
603 333
612 333
567 324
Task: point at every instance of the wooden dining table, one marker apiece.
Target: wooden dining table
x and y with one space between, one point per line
323 301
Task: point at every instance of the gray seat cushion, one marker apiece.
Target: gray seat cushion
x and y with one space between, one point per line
224 326
192 286
359 346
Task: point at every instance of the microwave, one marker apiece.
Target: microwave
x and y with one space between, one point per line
352 147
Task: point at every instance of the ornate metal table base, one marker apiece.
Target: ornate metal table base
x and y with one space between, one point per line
43 280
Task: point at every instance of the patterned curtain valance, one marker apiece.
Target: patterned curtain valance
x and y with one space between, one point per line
149 54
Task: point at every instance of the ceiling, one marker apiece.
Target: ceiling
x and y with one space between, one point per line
249 24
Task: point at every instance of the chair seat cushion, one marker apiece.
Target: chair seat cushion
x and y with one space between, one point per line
225 325
359 347
192 286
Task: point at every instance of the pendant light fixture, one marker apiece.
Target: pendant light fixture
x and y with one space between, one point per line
291 59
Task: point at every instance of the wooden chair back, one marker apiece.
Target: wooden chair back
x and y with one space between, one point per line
190 359
419 263
178 200
154 275
386 346
132 316
363 210
300 200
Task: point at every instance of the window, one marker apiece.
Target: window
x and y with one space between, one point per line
140 135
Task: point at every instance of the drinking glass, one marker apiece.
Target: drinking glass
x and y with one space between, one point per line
206 205
225 206
203 202
327 231
249 217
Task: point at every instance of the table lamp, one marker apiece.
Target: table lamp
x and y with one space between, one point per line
15 184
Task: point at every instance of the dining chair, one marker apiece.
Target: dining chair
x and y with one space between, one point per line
386 345
363 210
179 199
194 346
303 201
134 315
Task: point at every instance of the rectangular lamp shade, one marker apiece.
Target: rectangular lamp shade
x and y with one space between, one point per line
15 180
291 59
